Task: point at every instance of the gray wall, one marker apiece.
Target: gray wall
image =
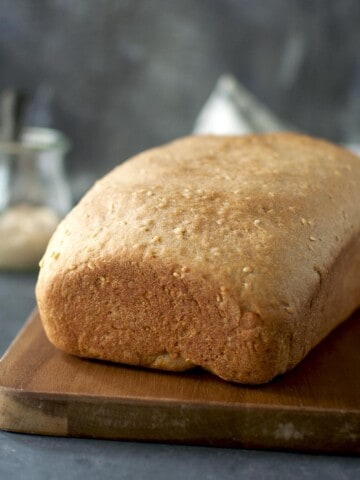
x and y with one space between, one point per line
118 76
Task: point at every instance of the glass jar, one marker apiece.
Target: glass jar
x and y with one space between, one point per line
34 195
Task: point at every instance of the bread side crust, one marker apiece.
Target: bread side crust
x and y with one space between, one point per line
336 297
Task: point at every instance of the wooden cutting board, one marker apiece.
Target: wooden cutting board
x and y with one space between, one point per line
315 407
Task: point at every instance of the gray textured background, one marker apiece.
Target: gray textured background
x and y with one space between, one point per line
119 76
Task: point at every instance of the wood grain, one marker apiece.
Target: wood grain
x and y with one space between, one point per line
315 407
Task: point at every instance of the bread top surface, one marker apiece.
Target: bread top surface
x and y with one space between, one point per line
262 217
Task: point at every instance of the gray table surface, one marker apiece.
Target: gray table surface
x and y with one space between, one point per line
35 457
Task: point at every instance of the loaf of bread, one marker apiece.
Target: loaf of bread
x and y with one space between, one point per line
236 254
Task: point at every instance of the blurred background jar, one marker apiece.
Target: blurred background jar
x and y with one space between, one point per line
34 195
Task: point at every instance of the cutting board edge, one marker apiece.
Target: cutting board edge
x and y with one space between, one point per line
17 393
173 422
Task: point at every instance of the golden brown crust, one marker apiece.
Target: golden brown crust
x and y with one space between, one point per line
238 254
